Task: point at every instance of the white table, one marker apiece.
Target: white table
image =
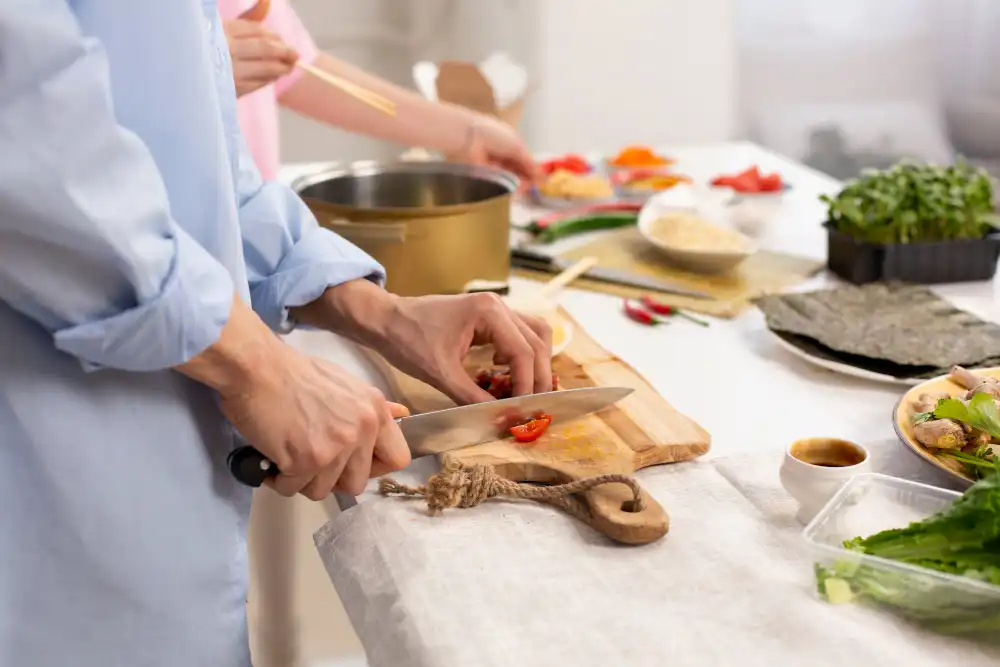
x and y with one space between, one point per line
688 364
684 363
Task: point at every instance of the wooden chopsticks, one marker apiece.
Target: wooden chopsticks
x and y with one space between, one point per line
370 98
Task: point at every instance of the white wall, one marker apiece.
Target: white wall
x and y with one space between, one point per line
646 71
610 73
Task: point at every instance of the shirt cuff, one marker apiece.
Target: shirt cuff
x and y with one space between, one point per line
319 260
185 318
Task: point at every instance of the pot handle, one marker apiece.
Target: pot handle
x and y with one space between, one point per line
376 232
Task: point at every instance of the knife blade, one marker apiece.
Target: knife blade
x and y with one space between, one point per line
453 428
530 259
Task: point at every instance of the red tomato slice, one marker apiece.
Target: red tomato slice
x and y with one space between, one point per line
531 430
771 183
753 173
745 183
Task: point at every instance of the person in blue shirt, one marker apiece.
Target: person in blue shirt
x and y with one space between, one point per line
144 268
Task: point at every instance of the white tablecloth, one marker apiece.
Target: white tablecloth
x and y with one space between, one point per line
520 584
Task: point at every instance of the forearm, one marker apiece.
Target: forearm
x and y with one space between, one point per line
357 310
417 122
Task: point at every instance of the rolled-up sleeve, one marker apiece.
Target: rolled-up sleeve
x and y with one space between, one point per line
290 259
88 247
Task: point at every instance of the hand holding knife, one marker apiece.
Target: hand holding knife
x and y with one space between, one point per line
446 430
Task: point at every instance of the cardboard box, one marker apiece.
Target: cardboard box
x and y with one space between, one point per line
496 86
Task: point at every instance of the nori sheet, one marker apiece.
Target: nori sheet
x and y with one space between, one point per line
906 330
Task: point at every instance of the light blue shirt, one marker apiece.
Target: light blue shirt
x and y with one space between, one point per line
130 213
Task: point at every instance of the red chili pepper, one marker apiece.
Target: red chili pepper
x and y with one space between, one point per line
532 429
660 308
640 315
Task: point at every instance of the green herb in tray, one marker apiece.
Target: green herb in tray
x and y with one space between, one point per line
962 540
914 203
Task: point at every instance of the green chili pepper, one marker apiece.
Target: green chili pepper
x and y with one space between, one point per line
588 223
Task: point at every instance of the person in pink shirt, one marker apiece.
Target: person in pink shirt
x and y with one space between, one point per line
263 55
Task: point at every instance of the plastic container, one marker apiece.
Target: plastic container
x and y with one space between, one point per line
870 503
957 261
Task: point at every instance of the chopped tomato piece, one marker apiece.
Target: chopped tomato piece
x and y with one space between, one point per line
750 181
745 183
497 382
532 429
771 183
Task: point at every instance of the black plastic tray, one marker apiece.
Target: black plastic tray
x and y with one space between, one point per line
957 261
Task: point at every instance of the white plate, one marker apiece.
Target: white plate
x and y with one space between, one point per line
841 367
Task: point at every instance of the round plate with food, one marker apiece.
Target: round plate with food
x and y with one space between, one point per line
815 354
953 422
565 189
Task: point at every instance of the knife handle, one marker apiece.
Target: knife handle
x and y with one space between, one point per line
524 255
251 468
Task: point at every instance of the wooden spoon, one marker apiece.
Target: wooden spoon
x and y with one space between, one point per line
542 301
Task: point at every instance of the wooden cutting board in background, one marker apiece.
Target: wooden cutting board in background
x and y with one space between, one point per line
763 273
640 430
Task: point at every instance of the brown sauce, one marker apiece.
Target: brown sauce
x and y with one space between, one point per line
828 452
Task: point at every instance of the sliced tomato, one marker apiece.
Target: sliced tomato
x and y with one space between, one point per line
771 183
745 183
532 429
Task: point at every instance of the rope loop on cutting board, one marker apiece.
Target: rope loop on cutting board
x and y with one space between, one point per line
467 486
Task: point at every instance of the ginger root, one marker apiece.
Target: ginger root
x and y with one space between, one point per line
975 383
940 434
927 402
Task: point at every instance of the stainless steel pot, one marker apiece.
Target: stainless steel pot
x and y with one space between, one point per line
434 226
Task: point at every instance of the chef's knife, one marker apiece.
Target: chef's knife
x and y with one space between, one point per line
445 430
537 261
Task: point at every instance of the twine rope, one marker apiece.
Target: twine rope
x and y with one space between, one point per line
467 486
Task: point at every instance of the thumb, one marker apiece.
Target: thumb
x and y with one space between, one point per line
398 410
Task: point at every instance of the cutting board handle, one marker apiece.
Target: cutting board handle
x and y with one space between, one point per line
609 507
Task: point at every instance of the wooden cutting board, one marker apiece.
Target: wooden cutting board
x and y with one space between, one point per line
640 430
763 273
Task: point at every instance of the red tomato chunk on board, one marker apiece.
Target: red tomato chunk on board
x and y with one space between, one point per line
497 382
532 429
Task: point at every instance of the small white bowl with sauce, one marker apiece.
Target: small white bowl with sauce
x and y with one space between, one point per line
690 229
814 469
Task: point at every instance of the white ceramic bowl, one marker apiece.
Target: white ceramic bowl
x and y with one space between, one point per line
750 213
701 202
814 485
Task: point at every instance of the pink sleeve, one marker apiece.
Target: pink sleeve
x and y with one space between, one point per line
283 20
